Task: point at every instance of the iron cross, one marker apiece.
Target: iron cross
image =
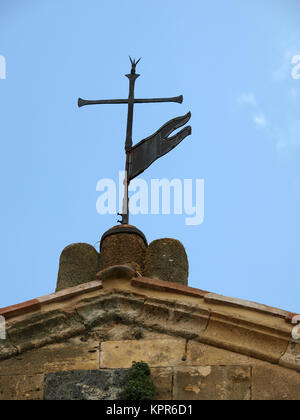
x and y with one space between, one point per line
156 139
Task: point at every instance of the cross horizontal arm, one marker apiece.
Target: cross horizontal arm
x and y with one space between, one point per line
83 102
177 99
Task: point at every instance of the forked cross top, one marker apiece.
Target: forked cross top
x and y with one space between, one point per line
130 101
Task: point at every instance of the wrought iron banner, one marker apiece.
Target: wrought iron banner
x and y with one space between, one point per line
153 147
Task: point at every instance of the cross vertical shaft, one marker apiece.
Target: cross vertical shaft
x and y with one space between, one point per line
132 78
128 142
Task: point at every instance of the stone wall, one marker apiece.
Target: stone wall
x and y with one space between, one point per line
86 367
79 343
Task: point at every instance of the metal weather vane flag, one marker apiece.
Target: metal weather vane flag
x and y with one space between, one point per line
140 156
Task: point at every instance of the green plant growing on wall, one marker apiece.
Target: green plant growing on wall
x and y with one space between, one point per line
139 385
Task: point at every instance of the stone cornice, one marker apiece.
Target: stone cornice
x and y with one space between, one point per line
176 310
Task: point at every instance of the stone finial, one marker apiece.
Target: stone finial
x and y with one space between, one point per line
123 245
166 259
120 247
78 264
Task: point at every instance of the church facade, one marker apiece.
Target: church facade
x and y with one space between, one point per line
131 302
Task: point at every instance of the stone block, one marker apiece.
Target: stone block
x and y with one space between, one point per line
166 259
157 353
163 382
212 383
199 354
22 387
86 385
78 264
275 383
70 355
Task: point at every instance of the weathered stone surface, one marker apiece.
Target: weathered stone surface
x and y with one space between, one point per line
116 272
166 259
291 358
111 308
78 264
240 335
213 297
22 387
157 353
190 320
163 382
70 292
199 354
275 383
212 383
122 249
7 349
70 355
156 313
174 319
44 328
112 331
86 385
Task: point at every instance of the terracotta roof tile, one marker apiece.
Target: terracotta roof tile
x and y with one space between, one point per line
34 304
20 308
153 283
215 298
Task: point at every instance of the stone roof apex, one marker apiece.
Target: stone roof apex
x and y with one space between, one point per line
120 293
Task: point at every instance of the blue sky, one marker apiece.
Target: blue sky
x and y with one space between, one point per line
231 61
